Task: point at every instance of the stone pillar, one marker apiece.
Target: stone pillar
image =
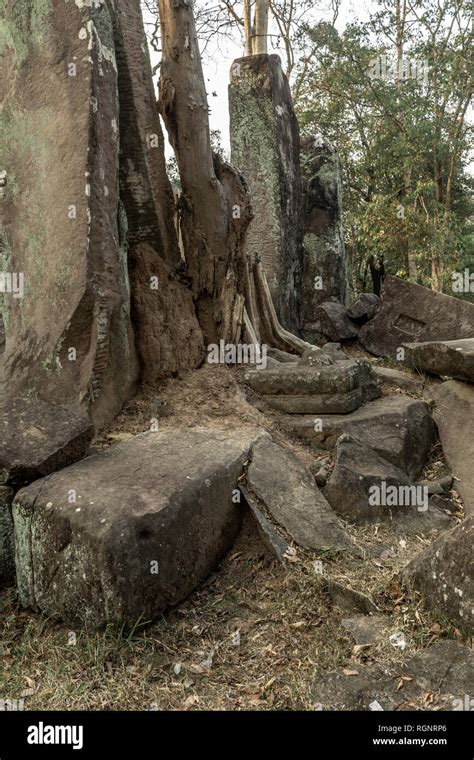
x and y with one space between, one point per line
86 211
325 263
264 138
69 338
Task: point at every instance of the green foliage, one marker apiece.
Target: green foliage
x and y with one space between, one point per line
402 132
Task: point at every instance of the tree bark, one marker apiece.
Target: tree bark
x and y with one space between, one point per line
214 203
260 27
377 273
248 27
214 206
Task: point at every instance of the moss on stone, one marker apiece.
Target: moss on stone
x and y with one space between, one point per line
24 27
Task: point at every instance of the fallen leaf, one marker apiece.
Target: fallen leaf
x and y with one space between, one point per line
299 624
360 648
402 681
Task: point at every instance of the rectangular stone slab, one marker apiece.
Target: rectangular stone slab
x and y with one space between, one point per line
399 428
411 313
328 403
357 469
454 416
280 481
454 358
37 438
151 519
298 380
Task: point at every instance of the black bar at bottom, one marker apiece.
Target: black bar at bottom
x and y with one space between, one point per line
131 734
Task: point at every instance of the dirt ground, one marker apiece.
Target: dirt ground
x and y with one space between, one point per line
253 634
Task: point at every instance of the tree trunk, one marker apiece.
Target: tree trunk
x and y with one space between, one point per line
260 27
214 204
248 27
377 273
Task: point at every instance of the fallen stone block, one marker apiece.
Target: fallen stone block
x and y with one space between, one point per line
444 574
7 561
437 487
454 415
445 670
334 351
328 354
331 320
298 380
365 488
398 428
448 504
411 313
39 438
452 358
367 629
275 543
123 535
363 308
288 491
395 378
316 357
350 600
328 403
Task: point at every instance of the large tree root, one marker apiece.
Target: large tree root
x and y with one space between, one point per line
260 318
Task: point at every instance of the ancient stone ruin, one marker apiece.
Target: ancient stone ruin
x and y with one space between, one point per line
131 468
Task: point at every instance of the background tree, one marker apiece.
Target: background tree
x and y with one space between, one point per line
392 93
